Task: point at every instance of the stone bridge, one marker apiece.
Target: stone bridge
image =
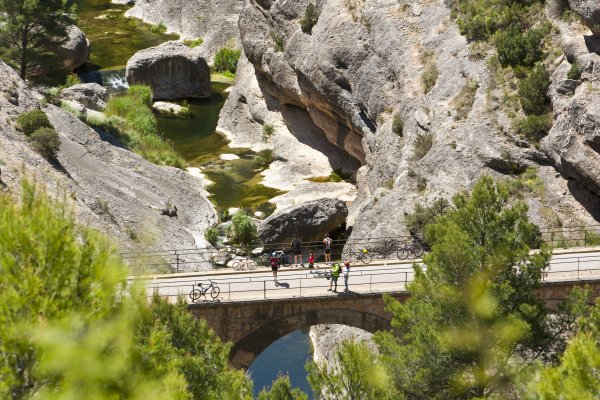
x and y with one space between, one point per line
253 325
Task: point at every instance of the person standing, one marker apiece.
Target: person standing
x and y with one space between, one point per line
327 243
274 260
335 273
297 249
311 260
346 274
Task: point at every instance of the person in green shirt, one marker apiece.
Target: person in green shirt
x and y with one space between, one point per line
335 273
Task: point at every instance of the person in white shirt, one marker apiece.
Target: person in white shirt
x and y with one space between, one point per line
346 274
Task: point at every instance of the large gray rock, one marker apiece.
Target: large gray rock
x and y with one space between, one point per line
589 10
75 50
90 95
310 221
173 70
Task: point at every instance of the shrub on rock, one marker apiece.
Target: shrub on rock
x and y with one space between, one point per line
46 142
30 121
310 19
226 59
532 91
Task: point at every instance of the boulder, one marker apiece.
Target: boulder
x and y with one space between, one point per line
310 221
91 95
173 70
589 10
75 50
170 109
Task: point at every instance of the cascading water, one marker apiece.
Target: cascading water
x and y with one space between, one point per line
114 80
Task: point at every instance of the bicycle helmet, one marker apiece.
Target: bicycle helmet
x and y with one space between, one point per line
274 254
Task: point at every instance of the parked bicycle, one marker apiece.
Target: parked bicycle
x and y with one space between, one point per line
201 290
247 263
358 254
284 259
413 248
321 274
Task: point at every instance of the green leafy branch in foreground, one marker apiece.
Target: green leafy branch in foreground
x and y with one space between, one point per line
132 120
71 329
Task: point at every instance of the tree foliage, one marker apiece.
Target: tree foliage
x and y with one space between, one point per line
71 329
243 229
532 91
310 19
519 47
281 389
473 310
421 216
226 59
356 374
29 29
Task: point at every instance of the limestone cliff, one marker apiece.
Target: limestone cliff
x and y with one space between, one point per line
111 188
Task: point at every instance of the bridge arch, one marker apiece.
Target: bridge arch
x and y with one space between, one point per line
245 351
252 326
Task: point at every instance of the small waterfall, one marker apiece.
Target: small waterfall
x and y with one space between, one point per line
114 80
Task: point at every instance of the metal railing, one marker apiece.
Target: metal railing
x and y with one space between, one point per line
258 286
382 248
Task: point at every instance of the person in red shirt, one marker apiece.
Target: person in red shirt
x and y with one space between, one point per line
311 260
274 260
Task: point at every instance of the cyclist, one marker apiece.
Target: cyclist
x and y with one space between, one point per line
335 273
274 260
297 249
327 243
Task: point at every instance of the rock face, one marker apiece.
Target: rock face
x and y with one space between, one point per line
75 50
213 20
173 70
589 10
324 336
90 95
310 221
112 188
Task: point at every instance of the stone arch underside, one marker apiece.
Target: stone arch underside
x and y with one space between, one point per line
249 347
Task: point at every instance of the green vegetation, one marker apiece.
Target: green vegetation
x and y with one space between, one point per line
575 71
72 329
278 41
191 43
518 47
264 158
226 59
46 142
397 124
71 79
526 182
267 131
310 19
421 216
430 70
532 91
463 102
30 121
212 235
160 28
131 119
29 30
243 228
335 177
281 389
535 127
422 145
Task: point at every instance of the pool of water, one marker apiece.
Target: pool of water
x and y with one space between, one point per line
113 37
288 355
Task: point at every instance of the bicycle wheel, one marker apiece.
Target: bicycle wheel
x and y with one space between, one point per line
349 255
251 264
418 251
366 258
284 261
214 293
403 253
195 294
237 266
264 260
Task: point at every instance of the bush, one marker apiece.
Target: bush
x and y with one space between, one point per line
463 102
532 91
160 28
575 71
422 144
278 41
72 79
191 43
516 47
430 71
30 121
243 229
46 142
535 127
397 124
267 131
226 59
142 94
310 19
212 235
422 216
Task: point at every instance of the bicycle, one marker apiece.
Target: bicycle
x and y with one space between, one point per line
245 263
196 293
321 274
284 259
362 255
413 248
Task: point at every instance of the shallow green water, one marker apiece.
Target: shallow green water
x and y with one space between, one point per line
236 183
113 38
